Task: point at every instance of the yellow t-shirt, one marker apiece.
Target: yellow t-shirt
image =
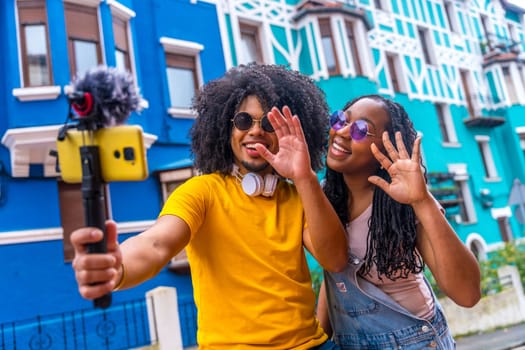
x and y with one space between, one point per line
252 285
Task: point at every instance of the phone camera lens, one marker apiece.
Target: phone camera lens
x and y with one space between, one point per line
129 153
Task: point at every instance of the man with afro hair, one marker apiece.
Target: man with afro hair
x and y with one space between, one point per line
259 137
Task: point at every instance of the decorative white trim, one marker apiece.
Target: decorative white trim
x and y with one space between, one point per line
482 138
32 145
184 113
459 170
56 233
143 104
520 130
149 139
38 93
134 226
478 240
181 46
30 236
497 213
120 11
451 144
89 3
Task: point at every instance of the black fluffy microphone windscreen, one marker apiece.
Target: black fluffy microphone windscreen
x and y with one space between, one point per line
105 95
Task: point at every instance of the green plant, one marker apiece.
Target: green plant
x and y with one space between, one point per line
510 254
317 279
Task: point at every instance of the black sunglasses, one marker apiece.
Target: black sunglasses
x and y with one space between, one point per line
244 121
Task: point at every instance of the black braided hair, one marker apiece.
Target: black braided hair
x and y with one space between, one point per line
391 241
273 85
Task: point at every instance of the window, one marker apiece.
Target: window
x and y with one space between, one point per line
121 16
182 79
514 44
451 17
512 96
382 5
250 44
489 36
486 156
352 40
467 213
426 46
446 125
328 46
34 43
183 73
466 208
120 32
395 73
477 246
72 213
468 94
485 23
83 38
169 181
505 229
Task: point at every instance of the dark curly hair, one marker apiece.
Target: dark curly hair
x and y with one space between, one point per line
273 85
391 242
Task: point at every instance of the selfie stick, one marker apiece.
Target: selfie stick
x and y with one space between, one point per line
102 97
92 182
94 205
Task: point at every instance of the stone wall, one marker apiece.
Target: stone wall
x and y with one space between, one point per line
493 311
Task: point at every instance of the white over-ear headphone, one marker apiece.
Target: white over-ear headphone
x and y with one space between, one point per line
254 184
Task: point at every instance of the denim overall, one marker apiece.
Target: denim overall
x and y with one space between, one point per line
364 318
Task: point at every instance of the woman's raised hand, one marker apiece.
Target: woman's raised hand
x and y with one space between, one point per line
407 184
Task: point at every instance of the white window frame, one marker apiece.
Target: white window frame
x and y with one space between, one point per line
125 14
448 123
513 84
175 175
37 93
399 76
462 179
520 131
336 46
425 38
386 5
452 16
179 261
488 160
187 48
342 47
260 38
94 4
363 50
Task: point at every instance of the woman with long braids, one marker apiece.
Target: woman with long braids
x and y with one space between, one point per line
394 228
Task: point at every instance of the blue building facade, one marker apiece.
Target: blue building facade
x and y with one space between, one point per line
48 44
457 66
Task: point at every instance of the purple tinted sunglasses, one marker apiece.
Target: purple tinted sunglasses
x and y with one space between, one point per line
358 128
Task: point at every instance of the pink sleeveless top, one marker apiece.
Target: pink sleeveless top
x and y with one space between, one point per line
411 293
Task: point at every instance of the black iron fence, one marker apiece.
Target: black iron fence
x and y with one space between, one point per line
122 326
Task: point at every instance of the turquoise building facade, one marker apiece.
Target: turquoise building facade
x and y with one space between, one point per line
457 66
